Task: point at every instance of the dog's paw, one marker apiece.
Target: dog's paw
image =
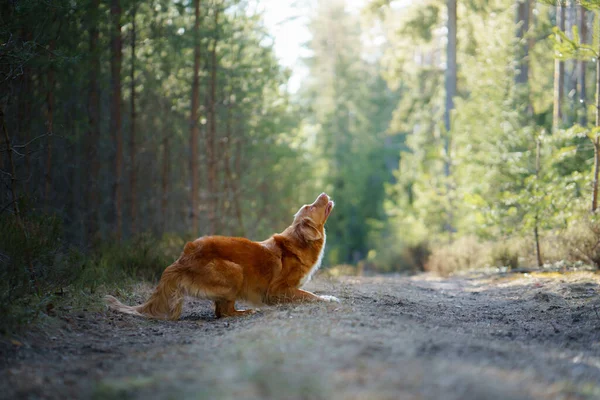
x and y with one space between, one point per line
330 299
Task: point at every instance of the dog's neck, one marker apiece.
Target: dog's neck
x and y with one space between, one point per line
317 263
294 243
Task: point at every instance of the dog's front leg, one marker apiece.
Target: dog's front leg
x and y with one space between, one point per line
298 295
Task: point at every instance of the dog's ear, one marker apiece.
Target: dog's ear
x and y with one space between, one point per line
308 230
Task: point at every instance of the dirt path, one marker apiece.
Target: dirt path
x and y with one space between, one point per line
499 337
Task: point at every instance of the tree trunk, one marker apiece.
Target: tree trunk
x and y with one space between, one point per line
24 116
115 121
49 123
570 107
211 135
165 182
597 138
538 251
92 194
536 234
15 202
559 75
451 72
582 64
132 133
194 121
523 7
235 183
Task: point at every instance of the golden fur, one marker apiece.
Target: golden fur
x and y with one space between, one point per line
225 269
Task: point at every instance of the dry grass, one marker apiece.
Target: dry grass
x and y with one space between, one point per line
464 254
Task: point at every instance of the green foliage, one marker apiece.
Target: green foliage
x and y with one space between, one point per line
40 245
142 258
63 274
509 175
422 25
34 264
351 107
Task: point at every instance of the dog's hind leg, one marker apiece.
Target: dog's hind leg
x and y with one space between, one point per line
176 305
226 308
220 281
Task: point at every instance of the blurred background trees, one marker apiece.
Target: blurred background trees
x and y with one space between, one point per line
433 124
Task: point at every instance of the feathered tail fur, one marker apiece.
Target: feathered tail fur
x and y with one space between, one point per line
165 303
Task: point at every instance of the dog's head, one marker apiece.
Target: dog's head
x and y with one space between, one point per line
310 218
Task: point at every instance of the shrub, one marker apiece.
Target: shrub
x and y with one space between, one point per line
506 253
23 254
33 265
62 272
391 257
415 256
581 240
463 254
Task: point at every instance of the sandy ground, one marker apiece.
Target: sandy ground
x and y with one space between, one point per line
516 336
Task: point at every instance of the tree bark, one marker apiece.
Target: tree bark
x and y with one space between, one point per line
523 7
165 182
24 116
211 135
559 75
451 74
194 122
115 122
49 123
536 234
15 202
597 138
582 64
92 194
132 133
235 184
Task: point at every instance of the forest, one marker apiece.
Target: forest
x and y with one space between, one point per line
452 135
459 139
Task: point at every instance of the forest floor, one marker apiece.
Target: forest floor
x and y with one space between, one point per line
509 336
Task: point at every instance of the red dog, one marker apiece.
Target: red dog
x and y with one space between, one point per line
224 269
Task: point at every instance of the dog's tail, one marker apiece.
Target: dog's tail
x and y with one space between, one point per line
165 303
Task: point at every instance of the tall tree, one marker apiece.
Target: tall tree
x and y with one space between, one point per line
50 87
194 121
115 114
132 132
93 136
523 14
559 72
166 161
583 29
212 131
451 73
596 182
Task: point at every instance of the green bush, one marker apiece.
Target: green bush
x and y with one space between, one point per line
34 263
61 273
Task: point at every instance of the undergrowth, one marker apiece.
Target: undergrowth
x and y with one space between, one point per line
40 273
